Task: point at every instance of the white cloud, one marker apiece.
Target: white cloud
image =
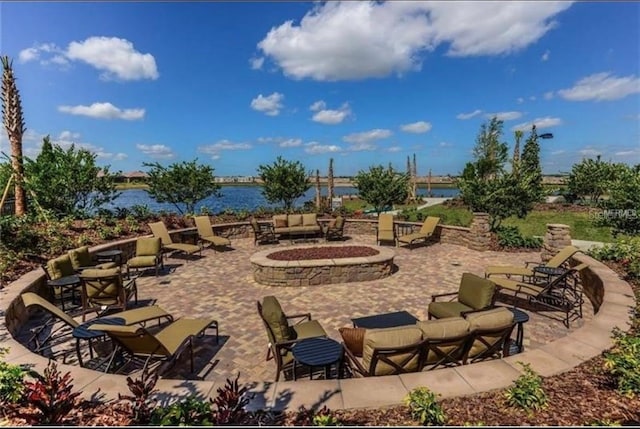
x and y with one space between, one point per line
532 98
329 116
545 122
115 57
416 127
256 63
504 116
520 100
315 148
445 144
394 149
558 152
156 151
361 146
269 105
589 152
215 149
600 87
291 143
103 111
627 152
367 136
29 54
357 40
465 116
545 56
548 95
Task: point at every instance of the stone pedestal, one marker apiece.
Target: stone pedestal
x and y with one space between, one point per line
480 236
558 237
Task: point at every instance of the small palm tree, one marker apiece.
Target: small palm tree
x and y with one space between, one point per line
14 124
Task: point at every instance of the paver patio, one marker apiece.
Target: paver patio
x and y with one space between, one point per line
221 285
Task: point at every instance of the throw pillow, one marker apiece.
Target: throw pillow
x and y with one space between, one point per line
332 224
353 339
281 223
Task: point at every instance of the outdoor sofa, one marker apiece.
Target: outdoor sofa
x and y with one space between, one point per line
305 225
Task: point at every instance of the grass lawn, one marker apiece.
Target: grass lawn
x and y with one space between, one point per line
581 226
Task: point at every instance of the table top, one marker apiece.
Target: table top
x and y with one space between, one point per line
550 271
519 316
65 281
107 253
387 320
319 351
83 332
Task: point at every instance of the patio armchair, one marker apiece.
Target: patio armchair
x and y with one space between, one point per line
148 255
160 231
388 351
262 233
281 335
105 290
58 268
446 341
474 294
82 259
560 259
166 345
205 232
490 334
60 325
562 293
386 230
335 229
426 231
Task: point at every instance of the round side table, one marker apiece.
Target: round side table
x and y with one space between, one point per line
318 352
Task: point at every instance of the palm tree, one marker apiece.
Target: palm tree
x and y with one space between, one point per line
14 124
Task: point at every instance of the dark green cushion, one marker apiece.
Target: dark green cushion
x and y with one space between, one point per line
80 257
276 319
476 292
142 261
60 267
148 246
441 310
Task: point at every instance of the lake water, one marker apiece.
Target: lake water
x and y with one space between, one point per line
245 198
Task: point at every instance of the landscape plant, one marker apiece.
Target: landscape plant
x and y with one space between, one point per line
622 208
510 237
590 178
623 361
424 407
11 380
527 392
382 187
51 393
141 388
284 181
182 184
190 411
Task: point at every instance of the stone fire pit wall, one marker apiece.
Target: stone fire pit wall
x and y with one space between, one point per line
321 271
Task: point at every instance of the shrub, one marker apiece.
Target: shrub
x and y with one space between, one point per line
527 392
188 412
141 212
141 390
623 362
424 407
11 380
510 237
310 417
625 251
51 394
230 402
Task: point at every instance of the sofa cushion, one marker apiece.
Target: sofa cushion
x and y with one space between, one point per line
80 257
439 329
441 310
294 220
490 319
390 337
142 261
476 292
276 319
60 267
353 339
309 219
98 273
148 246
280 221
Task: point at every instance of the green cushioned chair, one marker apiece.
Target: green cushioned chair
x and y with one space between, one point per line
55 269
104 290
426 231
447 341
148 255
490 333
281 335
386 230
160 231
475 293
205 232
81 259
558 260
335 229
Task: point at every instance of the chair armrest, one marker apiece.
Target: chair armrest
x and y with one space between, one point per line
440 295
353 363
464 313
304 316
537 263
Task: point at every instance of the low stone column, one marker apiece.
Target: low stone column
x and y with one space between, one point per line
480 236
558 237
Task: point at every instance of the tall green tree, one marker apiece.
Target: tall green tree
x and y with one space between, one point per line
284 181
13 122
622 208
182 184
489 152
589 179
530 171
68 181
382 187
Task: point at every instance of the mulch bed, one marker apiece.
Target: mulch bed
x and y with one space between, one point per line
325 252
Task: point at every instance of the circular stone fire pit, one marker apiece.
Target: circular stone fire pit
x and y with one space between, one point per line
300 266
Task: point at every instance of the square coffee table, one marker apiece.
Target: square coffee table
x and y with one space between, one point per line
387 320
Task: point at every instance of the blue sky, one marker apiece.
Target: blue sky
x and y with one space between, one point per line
237 84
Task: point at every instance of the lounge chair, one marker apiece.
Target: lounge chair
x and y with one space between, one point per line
262 233
105 290
474 294
386 230
166 345
148 255
562 293
558 260
426 231
335 229
68 324
159 230
388 351
81 259
205 232
283 336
